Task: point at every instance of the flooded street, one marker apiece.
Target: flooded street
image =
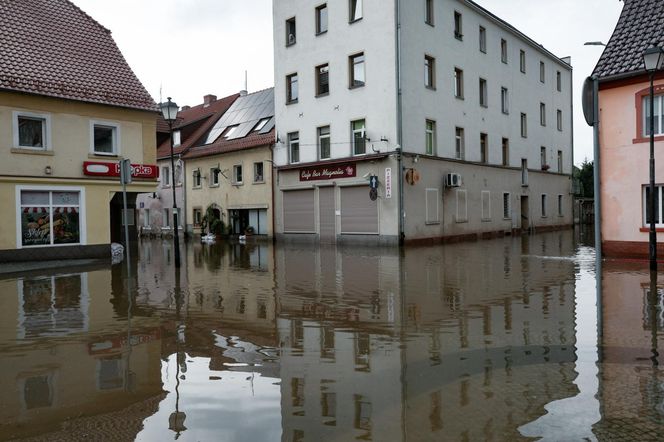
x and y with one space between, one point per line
496 340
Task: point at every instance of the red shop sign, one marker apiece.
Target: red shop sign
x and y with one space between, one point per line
93 168
347 170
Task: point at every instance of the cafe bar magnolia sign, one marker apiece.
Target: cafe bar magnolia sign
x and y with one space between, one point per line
93 168
347 170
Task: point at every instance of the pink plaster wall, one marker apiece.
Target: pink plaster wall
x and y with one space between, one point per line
624 165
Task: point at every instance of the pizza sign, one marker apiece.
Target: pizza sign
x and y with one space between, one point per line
328 172
93 168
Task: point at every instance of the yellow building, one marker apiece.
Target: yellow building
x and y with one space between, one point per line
70 109
230 170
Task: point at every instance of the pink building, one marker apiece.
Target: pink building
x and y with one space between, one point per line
624 132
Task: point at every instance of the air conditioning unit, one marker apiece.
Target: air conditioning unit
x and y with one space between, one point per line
452 180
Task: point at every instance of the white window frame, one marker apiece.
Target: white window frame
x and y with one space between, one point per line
484 93
194 173
458 83
177 138
542 72
559 120
430 136
237 182
262 180
486 197
358 8
432 214
146 217
320 137
165 176
166 216
116 138
659 125
214 177
459 143
522 61
504 57
505 100
293 138
82 214
46 130
362 132
542 114
429 71
197 219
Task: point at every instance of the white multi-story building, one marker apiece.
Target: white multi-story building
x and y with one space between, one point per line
465 122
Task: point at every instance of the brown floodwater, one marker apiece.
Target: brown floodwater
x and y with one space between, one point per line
503 340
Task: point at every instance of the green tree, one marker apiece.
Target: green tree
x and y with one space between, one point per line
587 178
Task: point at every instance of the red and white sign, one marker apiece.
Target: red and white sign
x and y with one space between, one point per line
348 170
93 168
388 182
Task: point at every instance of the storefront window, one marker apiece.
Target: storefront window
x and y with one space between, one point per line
49 218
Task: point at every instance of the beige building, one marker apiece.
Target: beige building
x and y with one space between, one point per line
230 171
70 109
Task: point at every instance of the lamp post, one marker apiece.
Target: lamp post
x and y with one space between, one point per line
653 58
169 111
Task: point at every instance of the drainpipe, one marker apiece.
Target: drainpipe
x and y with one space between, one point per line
596 166
402 214
183 177
272 184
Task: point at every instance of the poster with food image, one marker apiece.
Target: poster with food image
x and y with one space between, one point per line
36 228
65 225
39 222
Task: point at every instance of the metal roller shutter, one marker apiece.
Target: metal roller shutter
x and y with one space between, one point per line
358 213
299 211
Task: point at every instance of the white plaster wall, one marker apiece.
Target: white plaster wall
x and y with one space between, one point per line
525 90
375 102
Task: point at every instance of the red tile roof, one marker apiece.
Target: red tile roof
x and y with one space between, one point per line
53 48
225 146
210 113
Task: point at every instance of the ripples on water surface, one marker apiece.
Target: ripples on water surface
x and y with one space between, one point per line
494 340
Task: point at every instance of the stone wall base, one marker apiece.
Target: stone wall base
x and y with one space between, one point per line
98 251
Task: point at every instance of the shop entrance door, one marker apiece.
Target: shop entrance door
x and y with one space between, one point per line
525 211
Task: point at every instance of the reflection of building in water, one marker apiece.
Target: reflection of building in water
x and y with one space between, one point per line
453 343
68 356
631 382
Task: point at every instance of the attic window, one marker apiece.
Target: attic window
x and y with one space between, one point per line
229 131
177 138
261 124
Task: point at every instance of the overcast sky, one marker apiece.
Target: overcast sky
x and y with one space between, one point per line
189 48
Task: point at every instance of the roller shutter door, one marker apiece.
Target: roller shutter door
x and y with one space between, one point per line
299 211
358 213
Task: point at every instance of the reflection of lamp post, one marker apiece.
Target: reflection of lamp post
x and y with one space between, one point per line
177 418
169 111
653 58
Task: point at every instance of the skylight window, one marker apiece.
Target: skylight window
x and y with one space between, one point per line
261 124
229 131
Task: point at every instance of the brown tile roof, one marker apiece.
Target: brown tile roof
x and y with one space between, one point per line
210 113
53 48
225 146
641 25
244 115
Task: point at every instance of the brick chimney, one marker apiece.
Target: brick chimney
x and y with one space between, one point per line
209 99
185 107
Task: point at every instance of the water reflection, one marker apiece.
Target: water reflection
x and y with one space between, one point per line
496 340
